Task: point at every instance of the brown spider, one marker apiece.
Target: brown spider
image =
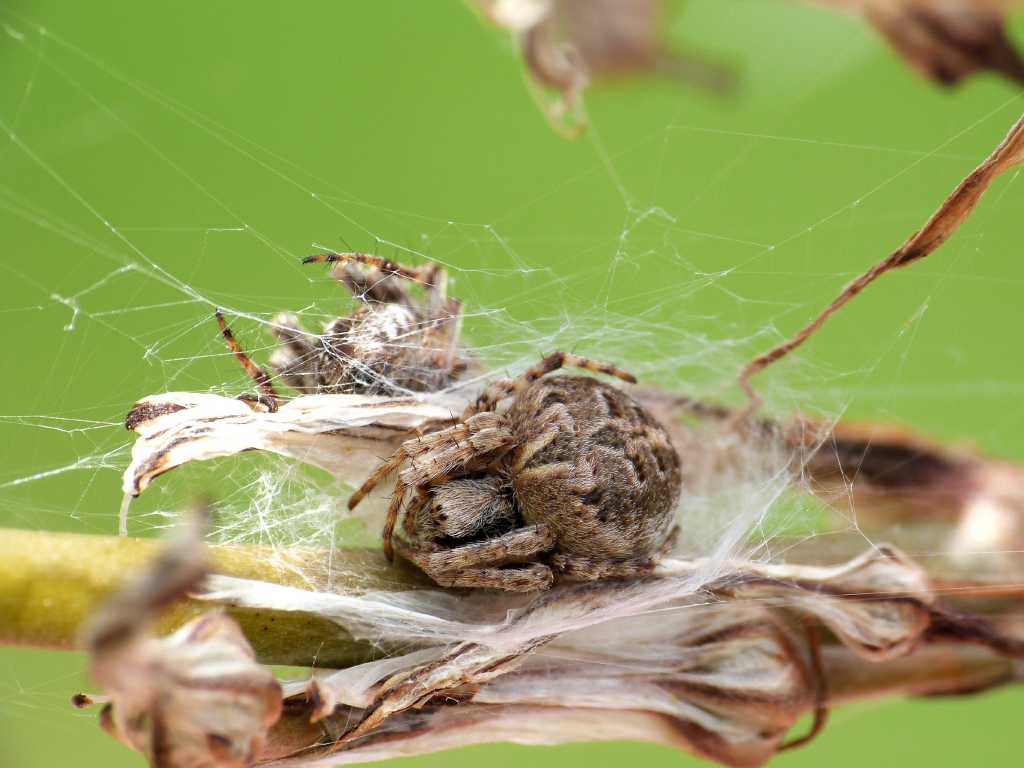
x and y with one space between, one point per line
395 342
574 480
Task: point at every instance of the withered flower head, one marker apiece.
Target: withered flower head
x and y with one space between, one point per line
194 699
944 40
567 44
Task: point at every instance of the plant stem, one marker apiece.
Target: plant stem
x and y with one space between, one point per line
50 583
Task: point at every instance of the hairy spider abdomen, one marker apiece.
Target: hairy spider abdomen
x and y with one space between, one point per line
381 350
595 467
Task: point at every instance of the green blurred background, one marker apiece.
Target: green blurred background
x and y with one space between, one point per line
157 159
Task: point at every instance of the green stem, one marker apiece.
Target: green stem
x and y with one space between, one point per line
50 583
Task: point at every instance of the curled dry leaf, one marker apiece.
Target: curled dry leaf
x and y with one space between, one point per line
342 434
567 44
945 40
194 699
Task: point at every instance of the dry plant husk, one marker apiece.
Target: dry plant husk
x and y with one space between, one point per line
568 44
194 699
342 434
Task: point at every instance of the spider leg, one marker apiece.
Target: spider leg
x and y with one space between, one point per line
580 568
415 506
488 400
430 275
392 517
557 360
534 577
431 459
456 444
490 397
295 360
452 435
518 546
480 435
378 283
442 462
556 419
377 262
268 395
440 343
398 497
385 469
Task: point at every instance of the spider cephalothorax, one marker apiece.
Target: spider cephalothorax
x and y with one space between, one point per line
403 337
573 480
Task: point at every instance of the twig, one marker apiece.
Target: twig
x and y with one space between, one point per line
939 228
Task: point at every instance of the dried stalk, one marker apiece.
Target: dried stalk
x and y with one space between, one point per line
78 572
51 583
942 224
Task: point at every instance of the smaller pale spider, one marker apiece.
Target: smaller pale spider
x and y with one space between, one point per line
396 341
573 481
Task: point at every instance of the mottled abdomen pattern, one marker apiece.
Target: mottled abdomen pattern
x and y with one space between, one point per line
595 466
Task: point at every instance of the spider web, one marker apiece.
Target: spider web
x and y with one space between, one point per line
678 238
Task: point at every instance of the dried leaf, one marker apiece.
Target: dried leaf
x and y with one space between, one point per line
894 476
942 224
343 434
723 680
